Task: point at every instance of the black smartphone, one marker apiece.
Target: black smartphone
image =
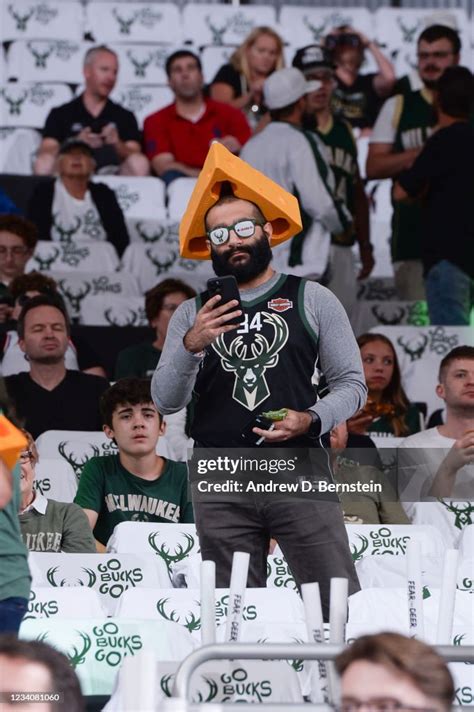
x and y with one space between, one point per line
249 437
228 289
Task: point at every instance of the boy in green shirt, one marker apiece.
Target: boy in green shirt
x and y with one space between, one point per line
137 484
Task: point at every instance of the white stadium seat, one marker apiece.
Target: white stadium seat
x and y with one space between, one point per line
63 603
142 99
134 22
179 192
300 26
151 264
148 231
77 447
109 575
420 350
397 30
202 25
46 60
212 58
49 19
97 647
30 104
174 543
76 286
18 149
55 479
139 198
372 314
143 63
113 311
84 256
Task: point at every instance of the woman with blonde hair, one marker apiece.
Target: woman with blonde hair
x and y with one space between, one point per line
240 82
388 410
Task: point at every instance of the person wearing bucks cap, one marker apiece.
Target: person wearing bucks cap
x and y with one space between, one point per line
402 128
336 133
298 161
266 362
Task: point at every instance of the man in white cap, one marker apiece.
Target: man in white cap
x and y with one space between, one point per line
297 160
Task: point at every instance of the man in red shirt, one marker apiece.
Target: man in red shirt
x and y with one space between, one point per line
178 137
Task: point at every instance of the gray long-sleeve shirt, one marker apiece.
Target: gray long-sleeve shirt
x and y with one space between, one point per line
339 356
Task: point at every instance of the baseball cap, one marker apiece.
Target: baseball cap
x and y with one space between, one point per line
286 86
75 143
312 57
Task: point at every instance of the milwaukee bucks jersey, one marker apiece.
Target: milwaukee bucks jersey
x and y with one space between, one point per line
265 364
339 139
414 118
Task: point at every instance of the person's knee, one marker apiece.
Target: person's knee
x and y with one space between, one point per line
136 164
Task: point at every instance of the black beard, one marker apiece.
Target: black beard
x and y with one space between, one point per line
260 257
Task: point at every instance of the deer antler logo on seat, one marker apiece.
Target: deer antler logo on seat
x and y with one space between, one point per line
161 266
75 297
71 458
140 65
14 104
409 33
21 20
45 261
414 352
250 386
125 25
217 32
40 57
65 234
388 320
128 320
317 32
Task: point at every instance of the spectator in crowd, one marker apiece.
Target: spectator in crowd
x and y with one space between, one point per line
18 238
388 410
336 133
73 207
137 484
47 525
299 165
389 672
439 461
354 459
198 360
107 128
240 82
160 304
177 138
401 129
34 666
79 354
358 97
441 178
7 206
49 396
15 579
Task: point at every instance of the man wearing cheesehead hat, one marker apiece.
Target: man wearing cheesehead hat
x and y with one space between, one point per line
316 65
288 325
298 161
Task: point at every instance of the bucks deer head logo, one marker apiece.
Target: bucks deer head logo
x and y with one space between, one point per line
129 319
75 459
316 31
44 262
154 237
382 318
250 386
75 295
358 554
217 32
161 266
79 652
414 348
124 24
65 233
51 576
462 514
408 33
180 553
14 103
140 65
21 20
191 622
40 57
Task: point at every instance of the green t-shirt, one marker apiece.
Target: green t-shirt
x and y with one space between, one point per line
339 139
139 361
15 579
118 496
63 527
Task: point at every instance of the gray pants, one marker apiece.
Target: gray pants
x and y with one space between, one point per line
310 533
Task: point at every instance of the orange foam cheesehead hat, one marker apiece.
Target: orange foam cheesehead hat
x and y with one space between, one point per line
12 442
221 166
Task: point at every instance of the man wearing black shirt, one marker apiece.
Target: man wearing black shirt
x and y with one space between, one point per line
109 129
50 397
442 177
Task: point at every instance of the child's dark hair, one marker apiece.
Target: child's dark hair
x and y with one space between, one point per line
131 391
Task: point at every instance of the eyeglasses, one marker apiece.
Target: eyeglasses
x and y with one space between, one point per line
242 228
381 705
16 250
424 56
